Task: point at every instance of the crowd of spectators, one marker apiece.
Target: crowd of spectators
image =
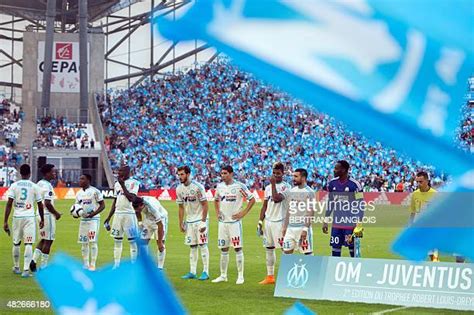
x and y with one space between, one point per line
466 131
58 132
216 115
11 117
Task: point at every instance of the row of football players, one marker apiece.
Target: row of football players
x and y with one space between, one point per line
132 213
23 195
280 227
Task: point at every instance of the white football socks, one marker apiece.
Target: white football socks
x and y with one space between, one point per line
205 258
118 246
94 253
85 254
16 256
44 260
27 256
193 259
133 251
224 263
239 258
161 258
271 257
37 255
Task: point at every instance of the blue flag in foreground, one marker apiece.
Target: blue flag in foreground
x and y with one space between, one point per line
393 70
131 289
299 309
448 226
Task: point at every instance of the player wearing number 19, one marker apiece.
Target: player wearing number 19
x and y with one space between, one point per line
22 196
229 199
92 201
192 201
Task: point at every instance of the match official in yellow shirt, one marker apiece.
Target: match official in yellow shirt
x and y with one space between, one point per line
420 199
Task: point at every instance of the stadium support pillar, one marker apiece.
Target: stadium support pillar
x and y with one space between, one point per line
48 56
83 68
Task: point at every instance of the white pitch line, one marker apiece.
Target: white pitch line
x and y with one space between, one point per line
391 310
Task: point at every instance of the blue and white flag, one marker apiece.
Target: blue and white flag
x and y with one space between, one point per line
299 309
394 70
137 288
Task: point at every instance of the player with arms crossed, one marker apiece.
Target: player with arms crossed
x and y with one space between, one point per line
22 196
153 223
48 232
125 220
297 229
192 201
420 198
92 201
342 189
273 212
229 199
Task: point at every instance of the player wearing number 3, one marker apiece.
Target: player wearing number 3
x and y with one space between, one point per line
22 196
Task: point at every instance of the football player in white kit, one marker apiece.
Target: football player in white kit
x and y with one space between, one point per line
92 201
153 223
192 201
51 215
229 199
272 215
22 196
125 220
297 230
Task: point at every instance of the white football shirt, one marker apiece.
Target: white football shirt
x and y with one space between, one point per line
25 195
89 199
190 197
231 199
122 205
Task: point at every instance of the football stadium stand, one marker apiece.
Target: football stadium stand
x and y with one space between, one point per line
217 114
57 132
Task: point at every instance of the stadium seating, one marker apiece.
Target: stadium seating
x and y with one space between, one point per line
57 132
11 117
217 114
466 130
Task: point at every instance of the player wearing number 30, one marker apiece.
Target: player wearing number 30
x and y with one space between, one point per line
22 196
191 199
92 201
229 199
153 224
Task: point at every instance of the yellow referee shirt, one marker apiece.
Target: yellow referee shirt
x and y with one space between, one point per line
420 199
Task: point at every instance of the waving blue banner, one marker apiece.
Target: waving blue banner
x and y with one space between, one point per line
131 289
394 70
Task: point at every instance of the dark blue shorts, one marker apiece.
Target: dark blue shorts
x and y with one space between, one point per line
340 237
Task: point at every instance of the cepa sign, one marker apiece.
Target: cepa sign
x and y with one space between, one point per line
65 67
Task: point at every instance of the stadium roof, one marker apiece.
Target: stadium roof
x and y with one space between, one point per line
66 10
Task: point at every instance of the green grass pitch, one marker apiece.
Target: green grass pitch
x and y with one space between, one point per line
205 297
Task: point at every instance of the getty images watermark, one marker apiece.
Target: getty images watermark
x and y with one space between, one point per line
340 211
